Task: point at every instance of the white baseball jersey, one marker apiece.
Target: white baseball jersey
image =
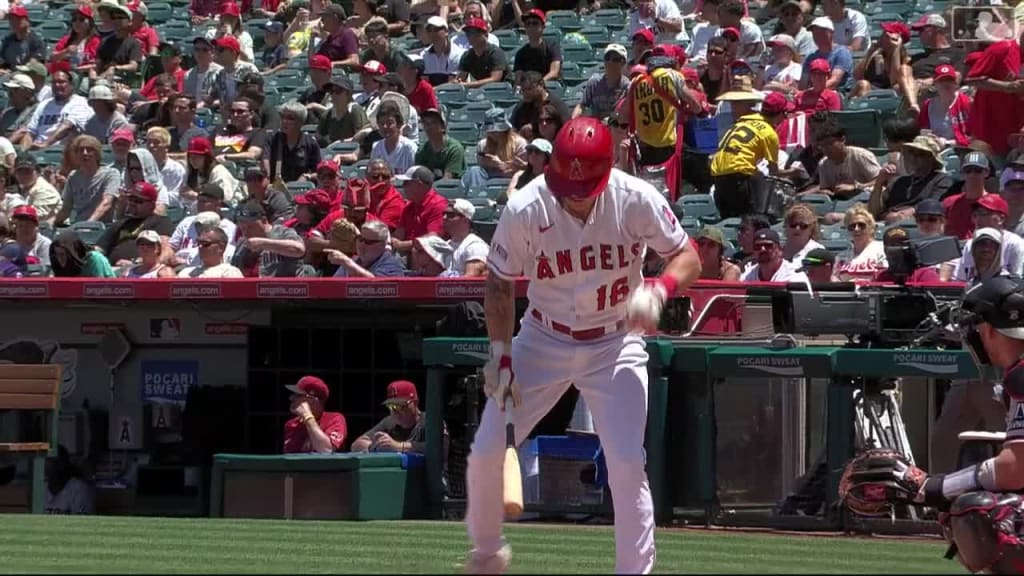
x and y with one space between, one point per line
581 275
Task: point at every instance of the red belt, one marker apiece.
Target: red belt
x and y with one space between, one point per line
589 334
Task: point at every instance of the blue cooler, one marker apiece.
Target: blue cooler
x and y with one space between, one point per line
563 471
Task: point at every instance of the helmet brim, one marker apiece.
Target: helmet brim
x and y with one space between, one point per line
561 187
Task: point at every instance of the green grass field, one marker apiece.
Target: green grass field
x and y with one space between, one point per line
165 545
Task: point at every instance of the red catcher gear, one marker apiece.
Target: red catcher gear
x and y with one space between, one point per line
582 160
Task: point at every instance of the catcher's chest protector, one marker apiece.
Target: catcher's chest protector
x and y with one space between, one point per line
988 531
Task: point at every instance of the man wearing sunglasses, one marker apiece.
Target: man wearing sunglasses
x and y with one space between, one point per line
404 429
539 54
212 249
312 429
266 250
118 241
602 93
974 170
771 266
119 52
373 259
277 205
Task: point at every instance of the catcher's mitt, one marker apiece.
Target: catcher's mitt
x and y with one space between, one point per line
877 479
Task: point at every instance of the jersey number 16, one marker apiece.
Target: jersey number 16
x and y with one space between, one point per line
612 297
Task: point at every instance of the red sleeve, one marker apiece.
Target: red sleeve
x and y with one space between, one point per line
432 94
993 62
149 91
324 227
62 43
92 46
403 220
334 426
391 214
922 116
832 101
435 222
154 37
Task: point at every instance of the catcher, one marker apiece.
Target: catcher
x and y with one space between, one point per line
982 505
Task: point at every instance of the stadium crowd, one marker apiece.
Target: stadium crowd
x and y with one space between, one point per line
382 137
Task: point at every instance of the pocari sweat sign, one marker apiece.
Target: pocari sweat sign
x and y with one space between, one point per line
168 380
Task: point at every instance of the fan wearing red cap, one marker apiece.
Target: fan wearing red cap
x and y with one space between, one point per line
956 105
121 52
818 97
312 430
483 63
82 26
118 241
141 31
578 233
539 54
404 429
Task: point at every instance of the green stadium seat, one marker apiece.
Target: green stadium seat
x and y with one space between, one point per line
176 213
821 203
578 54
299 187
699 206
553 34
159 12
508 39
450 189
470 156
833 232
863 127
836 246
336 148
51 31
255 29
563 20
89 232
473 112
467 133
37 271
451 95
691 225
597 36
611 18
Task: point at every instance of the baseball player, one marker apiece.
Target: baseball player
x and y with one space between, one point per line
579 234
982 504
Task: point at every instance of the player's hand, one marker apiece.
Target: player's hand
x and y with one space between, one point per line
643 310
499 380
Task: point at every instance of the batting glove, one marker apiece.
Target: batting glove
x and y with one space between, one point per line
499 380
643 310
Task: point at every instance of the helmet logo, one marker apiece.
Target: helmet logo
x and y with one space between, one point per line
576 170
1014 315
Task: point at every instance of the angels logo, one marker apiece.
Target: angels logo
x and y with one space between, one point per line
576 170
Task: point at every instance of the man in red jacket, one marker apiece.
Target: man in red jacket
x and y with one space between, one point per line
312 429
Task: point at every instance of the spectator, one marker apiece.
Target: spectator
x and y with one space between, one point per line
739 185
818 96
714 265
990 214
369 78
770 266
69 258
312 429
149 264
230 26
525 117
603 91
424 214
344 119
931 29
310 209
441 153
56 119
39 194
442 57
930 218
840 61
802 233
540 55
119 52
172 172
275 53
203 168
946 115
92 189
385 203
391 87
184 242
643 42
105 118
414 86
251 89
751 42
996 112
266 250
468 251
203 10
212 247
80 44
22 43
887 66
378 46
714 73
328 178
984 256
67 490
199 80
818 265
394 148
846 170
851 27
791 22
147 114
313 96
429 257
170 63
1012 185
866 256
121 142
291 153
39 73
897 132
702 33
141 167
783 74
21 94
374 258
538 154
225 88
276 203
118 240
404 429
483 63
749 225
26 233
181 125
960 207
499 155
141 31
660 16
340 46
926 180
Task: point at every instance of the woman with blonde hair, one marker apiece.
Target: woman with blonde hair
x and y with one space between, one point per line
865 257
887 65
802 232
500 154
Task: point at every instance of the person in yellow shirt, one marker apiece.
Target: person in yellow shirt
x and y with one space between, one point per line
740 187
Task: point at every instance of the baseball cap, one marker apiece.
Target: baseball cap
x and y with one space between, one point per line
327 166
435 113
320 62
993 203
943 72
139 7
691 75
25 160
101 92
819 65
897 28
436 248
988 234
25 212
817 257
822 22
535 13
274 26
374 68
201 40
206 220
475 24
148 236
926 20
767 234
617 49
437 22
784 40
731 31
122 134
200 145
211 190
340 82
18 11
84 10
1010 175
254 172
230 9
776 103
975 159
929 207
496 121
420 173
336 10
712 233
33 67
250 210
540 145
312 386
114 6
20 80
644 34
316 199
401 391
461 206
228 43
145 190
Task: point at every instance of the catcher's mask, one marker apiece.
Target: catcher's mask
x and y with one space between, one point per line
999 302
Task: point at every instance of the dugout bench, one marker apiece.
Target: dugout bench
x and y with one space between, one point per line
443 354
32 391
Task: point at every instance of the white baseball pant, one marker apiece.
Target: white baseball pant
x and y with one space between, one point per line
611 374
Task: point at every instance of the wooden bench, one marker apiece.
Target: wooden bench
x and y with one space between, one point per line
33 389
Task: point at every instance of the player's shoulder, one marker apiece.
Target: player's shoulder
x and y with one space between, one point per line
628 188
527 197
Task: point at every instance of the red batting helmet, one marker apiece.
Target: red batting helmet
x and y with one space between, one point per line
582 160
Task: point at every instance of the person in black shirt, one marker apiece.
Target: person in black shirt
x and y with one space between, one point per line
714 73
482 63
120 52
239 139
539 54
315 96
526 115
251 88
277 205
22 44
926 180
291 153
937 50
118 241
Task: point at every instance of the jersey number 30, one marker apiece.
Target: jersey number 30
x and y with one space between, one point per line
607 298
652 111
738 134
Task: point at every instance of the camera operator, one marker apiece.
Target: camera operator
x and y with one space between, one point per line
903 264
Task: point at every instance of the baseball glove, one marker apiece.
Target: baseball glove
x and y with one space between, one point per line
877 479
343 236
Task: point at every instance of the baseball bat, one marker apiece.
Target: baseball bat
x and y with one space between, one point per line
513 479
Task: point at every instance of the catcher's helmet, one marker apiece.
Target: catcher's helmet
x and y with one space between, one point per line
998 301
582 160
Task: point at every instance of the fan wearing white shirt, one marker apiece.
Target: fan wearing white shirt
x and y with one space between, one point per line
771 266
703 32
660 16
57 118
730 15
397 150
469 251
851 26
212 244
783 74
